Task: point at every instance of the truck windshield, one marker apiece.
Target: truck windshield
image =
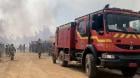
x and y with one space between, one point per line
123 23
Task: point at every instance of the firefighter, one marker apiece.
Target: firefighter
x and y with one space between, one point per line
0 51
7 50
39 48
12 51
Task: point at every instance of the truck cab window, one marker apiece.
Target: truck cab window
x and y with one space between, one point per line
97 22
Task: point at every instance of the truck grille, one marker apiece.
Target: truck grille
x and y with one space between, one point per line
128 47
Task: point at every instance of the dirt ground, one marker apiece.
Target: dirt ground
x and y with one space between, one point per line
27 65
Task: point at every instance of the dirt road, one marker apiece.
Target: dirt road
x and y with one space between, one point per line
27 65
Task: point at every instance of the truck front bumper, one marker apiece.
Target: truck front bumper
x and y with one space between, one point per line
122 60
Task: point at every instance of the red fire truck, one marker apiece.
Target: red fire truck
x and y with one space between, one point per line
109 38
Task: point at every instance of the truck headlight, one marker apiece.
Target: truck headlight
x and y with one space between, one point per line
108 56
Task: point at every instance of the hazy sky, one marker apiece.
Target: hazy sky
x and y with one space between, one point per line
24 20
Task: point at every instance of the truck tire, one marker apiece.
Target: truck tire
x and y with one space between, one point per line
90 66
128 72
61 58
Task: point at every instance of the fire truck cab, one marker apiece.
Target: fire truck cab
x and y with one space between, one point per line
108 38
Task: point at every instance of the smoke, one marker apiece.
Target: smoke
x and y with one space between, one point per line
25 20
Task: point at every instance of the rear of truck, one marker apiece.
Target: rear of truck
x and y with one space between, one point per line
64 43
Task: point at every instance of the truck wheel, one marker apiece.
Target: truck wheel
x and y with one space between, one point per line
61 58
53 59
129 72
90 66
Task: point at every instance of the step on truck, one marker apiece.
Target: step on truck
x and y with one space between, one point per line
108 38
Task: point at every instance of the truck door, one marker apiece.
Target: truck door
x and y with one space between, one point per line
81 32
98 32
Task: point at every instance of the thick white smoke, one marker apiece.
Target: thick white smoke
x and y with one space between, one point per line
24 20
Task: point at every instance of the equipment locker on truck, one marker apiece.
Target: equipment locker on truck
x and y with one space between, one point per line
108 38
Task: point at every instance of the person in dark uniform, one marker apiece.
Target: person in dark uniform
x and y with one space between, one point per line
39 48
12 51
7 50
